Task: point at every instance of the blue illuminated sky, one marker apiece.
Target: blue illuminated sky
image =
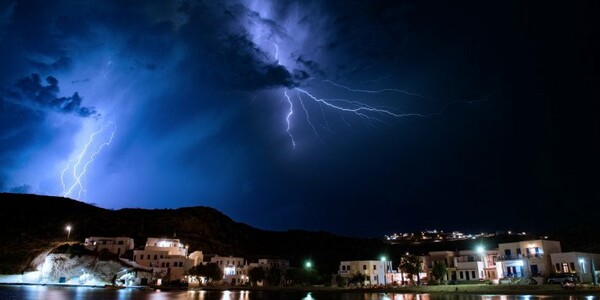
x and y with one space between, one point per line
456 115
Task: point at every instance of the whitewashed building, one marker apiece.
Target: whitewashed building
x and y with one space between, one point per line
444 257
526 258
234 269
576 263
375 271
115 245
476 265
167 258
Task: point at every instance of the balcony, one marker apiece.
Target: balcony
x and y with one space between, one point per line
519 256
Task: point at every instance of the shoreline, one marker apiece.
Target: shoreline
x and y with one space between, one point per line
479 289
467 289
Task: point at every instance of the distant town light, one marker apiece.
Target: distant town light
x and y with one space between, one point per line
480 249
581 260
383 258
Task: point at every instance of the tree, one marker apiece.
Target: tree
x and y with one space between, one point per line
273 277
357 279
439 271
211 271
411 265
292 276
256 274
340 281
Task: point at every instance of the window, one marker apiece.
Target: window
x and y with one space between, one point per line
572 267
557 268
461 275
565 268
364 267
161 256
167 264
343 268
134 257
148 256
348 268
473 274
155 256
507 252
518 251
374 267
120 242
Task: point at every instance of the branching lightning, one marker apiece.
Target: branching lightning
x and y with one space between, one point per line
373 91
368 113
78 166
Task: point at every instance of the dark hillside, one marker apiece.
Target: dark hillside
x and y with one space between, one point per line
32 223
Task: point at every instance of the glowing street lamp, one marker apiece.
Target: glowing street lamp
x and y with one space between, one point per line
384 260
68 229
308 264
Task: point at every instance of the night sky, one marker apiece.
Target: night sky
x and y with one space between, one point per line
468 115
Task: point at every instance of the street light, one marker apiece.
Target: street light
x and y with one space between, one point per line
68 229
308 264
384 260
481 252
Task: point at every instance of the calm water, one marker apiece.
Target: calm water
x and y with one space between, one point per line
83 293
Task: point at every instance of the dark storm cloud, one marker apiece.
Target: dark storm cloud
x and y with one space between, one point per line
216 32
31 89
196 91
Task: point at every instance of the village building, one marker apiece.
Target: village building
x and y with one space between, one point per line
115 245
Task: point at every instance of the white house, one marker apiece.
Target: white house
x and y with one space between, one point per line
444 257
167 258
576 263
116 245
375 271
233 268
476 265
526 258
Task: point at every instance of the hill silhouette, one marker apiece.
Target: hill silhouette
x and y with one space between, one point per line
32 223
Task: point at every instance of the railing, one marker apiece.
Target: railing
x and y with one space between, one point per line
519 256
343 272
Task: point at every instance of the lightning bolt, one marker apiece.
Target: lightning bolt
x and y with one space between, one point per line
93 156
79 173
366 112
287 119
276 52
374 91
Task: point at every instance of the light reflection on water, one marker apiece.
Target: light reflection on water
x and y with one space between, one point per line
87 293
